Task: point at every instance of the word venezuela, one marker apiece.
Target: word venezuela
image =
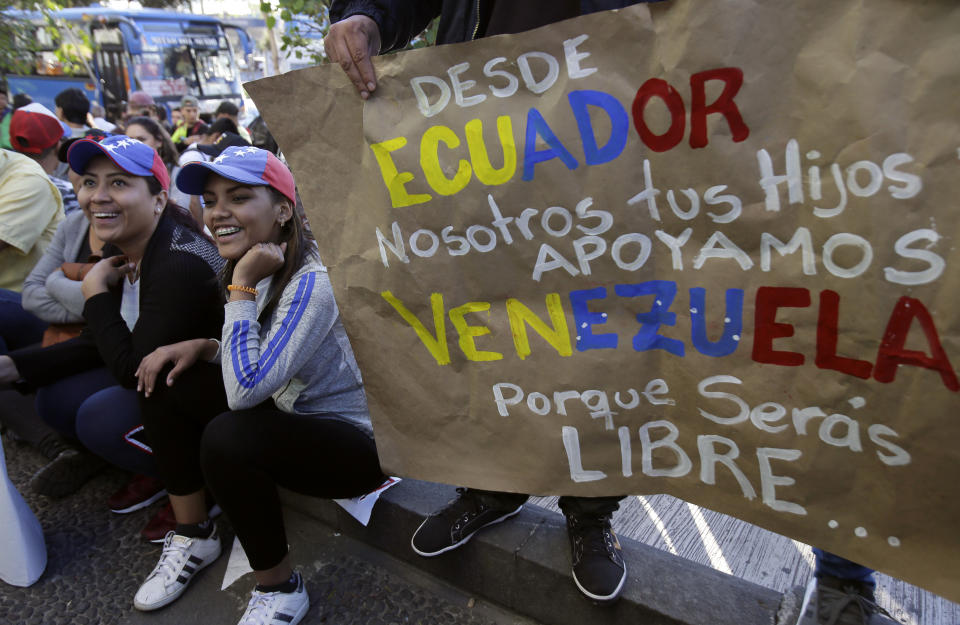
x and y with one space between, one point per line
907 313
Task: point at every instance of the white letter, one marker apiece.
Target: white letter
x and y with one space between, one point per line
605 217
711 197
912 184
642 256
656 387
683 460
396 247
502 402
553 71
571 443
902 247
512 82
770 182
873 171
846 238
574 57
427 109
769 481
584 257
434 243
850 440
900 456
800 240
726 249
768 412
459 87
649 193
709 458
449 238
723 379
675 243
556 261
599 407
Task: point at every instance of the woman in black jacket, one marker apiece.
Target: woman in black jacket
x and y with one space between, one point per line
161 289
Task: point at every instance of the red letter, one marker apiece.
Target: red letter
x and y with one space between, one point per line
656 87
724 105
891 352
766 329
827 340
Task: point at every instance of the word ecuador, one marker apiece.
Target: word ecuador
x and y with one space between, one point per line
503 84
657 297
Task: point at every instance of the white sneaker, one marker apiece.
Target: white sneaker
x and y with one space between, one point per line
181 559
277 608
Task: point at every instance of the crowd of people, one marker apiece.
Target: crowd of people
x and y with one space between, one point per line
164 309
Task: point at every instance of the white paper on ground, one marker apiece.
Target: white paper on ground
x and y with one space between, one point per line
23 552
361 507
237 565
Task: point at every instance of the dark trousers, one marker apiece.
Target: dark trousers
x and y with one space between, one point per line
834 566
244 455
109 424
18 328
59 402
587 506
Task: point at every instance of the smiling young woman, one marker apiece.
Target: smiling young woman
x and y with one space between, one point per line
295 413
161 289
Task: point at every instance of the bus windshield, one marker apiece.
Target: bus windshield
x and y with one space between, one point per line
175 70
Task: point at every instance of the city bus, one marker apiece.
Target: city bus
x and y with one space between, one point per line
165 53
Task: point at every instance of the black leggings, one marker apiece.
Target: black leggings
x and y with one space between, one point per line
245 454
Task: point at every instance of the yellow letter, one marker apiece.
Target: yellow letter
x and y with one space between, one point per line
481 160
468 333
430 161
395 180
436 344
520 315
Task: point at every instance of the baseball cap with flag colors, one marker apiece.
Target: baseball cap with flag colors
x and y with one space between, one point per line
247 165
34 128
128 154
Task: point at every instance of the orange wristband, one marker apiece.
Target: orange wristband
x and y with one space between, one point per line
242 289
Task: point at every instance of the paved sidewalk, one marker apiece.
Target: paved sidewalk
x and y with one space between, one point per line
96 562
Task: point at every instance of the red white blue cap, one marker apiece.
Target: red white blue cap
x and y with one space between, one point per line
34 128
130 155
247 165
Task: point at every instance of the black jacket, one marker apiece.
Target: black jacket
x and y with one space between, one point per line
460 20
179 300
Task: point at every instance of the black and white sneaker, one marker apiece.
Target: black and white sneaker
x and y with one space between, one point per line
277 608
598 568
463 517
182 558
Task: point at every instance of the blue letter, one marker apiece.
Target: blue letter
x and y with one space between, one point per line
584 319
536 125
732 324
647 338
619 123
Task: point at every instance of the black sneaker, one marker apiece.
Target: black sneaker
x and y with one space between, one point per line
66 473
598 567
463 517
833 601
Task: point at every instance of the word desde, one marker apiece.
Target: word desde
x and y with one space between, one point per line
891 351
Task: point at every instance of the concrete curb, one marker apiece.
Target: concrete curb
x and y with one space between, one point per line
524 566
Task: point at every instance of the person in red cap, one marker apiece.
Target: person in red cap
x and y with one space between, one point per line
141 104
30 205
34 132
288 407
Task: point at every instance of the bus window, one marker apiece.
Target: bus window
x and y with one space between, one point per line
216 72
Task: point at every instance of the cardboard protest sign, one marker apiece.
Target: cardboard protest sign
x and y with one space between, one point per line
707 249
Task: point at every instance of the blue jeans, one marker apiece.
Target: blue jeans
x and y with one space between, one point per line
57 403
841 568
109 424
18 328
